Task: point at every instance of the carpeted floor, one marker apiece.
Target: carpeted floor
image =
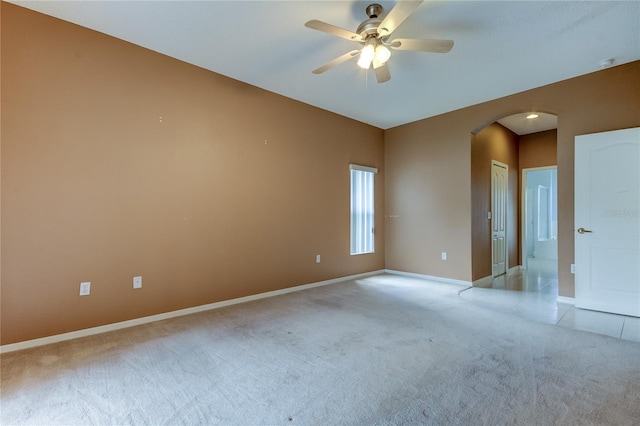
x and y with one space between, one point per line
381 350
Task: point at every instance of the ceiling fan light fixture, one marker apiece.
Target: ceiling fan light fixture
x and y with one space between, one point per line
376 63
373 35
382 54
366 55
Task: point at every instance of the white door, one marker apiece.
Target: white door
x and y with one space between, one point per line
607 221
499 180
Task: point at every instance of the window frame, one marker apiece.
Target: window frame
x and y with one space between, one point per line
362 241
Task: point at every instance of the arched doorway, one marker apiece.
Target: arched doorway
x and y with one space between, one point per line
520 143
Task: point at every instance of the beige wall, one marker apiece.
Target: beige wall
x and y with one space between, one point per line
428 173
118 161
538 149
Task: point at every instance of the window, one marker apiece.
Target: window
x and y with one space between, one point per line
362 209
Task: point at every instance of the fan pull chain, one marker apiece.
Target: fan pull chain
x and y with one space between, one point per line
366 96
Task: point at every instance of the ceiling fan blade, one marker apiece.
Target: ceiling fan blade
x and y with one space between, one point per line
382 73
426 45
333 30
336 61
396 16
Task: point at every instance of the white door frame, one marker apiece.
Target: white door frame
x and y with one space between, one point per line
506 218
523 210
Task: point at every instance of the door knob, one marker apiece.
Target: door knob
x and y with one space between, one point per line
583 231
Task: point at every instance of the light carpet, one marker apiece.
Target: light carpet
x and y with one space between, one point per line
382 350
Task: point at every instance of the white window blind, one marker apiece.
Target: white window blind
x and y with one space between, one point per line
362 209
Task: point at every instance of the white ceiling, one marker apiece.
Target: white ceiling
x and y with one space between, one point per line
501 47
520 124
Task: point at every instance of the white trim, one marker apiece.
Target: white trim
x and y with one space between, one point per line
523 209
429 277
567 300
159 317
506 220
363 168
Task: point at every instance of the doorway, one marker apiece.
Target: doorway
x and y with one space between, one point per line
520 143
540 218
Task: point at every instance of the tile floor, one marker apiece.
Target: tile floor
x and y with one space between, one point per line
532 294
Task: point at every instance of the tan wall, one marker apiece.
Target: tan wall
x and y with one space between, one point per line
494 142
118 161
428 199
538 149
428 173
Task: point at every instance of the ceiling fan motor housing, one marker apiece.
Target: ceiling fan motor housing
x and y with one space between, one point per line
374 10
369 27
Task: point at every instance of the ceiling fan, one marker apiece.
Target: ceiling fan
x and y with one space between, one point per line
373 34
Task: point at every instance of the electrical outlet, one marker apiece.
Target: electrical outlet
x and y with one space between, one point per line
573 268
137 282
317 258
444 255
85 288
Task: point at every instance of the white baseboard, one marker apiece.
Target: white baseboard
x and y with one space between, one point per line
159 317
567 300
428 277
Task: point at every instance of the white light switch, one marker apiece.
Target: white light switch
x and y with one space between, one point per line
317 258
137 282
444 255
